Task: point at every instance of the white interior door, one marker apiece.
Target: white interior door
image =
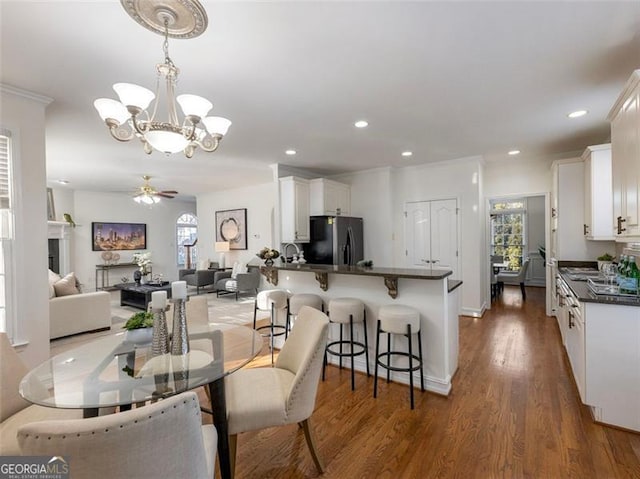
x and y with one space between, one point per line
418 233
431 230
444 235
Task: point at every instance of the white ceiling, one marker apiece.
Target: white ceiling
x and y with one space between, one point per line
445 80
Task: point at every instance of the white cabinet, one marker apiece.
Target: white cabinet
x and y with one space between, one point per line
598 193
625 160
329 197
612 347
294 209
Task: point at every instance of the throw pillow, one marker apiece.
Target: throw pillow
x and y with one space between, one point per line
234 270
66 286
53 278
203 264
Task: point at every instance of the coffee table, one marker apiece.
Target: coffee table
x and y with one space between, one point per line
139 295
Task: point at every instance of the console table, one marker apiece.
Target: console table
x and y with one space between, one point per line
102 272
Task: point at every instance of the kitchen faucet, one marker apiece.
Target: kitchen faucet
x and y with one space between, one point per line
284 251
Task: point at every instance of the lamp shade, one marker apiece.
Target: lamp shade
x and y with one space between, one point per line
222 246
194 105
111 109
166 141
216 125
134 95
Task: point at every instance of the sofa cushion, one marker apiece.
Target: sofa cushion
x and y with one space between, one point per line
53 278
66 286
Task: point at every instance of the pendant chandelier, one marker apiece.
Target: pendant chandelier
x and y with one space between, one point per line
129 118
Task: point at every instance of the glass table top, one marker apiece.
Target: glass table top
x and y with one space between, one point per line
111 371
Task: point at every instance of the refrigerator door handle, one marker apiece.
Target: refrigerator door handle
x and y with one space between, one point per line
350 242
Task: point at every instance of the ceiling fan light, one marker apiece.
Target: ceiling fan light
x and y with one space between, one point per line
166 141
194 105
216 125
146 199
108 108
134 95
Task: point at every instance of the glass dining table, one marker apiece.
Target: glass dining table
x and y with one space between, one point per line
111 371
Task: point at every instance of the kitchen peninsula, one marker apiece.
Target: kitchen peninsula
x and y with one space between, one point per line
429 290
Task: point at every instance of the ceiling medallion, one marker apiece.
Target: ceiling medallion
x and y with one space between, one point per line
185 18
129 118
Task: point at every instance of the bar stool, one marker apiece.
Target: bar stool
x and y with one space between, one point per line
347 311
398 319
298 300
272 300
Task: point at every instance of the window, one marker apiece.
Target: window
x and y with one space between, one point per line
507 231
6 233
186 234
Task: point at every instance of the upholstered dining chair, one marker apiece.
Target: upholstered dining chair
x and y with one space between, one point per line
15 411
285 394
164 439
514 277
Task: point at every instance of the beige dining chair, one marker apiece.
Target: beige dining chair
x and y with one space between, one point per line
515 277
165 439
285 394
15 411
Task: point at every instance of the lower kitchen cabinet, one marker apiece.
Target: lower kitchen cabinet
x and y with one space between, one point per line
612 353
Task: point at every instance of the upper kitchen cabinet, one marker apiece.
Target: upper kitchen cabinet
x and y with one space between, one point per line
294 209
625 160
598 195
329 198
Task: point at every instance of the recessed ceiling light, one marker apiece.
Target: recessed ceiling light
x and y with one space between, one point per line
514 152
577 113
407 153
290 152
361 124
63 182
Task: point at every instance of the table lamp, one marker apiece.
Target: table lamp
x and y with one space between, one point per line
221 247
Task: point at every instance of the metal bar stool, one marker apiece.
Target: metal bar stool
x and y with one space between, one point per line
348 311
272 300
404 320
297 301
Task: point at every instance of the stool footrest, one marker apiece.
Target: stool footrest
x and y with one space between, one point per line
346 354
275 326
390 354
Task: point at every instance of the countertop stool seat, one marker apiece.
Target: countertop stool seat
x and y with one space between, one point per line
298 300
347 311
272 300
401 320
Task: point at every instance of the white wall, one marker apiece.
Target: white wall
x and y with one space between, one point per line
516 176
259 200
120 208
24 115
535 222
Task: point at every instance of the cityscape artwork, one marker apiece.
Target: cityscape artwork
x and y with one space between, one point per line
118 236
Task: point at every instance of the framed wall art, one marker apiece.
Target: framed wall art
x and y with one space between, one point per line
51 208
231 226
118 236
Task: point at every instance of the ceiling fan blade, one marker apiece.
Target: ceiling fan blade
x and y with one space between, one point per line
163 195
169 192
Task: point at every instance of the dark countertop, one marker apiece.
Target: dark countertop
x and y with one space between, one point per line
357 270
584 294
453 284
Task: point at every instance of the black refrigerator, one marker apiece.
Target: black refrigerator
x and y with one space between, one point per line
334 240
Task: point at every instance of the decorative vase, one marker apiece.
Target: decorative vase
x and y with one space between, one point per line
137 275
268 262
143 279
139 336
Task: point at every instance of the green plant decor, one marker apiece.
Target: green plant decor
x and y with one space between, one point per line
605 257
142 319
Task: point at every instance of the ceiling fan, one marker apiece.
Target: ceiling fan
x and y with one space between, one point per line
148 195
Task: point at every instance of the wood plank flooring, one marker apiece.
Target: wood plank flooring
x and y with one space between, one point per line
514 412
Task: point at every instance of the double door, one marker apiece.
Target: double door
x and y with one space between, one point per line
431 231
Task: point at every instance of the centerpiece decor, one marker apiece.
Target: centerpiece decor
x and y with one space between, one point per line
143 260
159 308
139 328
268 255
180 336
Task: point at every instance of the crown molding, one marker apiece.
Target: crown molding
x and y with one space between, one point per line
12 90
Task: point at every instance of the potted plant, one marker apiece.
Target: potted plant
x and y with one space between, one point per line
139 328
604 259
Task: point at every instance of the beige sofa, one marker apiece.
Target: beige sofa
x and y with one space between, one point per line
79 313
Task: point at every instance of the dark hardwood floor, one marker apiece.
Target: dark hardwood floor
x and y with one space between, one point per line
514 412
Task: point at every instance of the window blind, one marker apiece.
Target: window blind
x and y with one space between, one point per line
5 180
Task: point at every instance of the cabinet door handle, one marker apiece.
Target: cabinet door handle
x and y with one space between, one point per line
571 324
585 230
553 213
620 220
